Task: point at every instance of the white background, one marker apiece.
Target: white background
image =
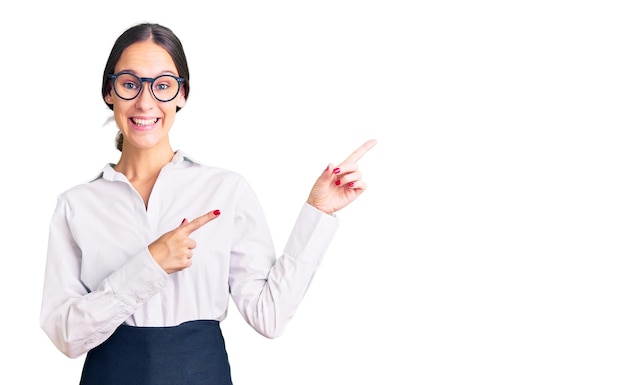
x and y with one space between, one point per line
489 247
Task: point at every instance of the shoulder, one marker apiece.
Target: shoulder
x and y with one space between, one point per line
200 179
80 190
196 169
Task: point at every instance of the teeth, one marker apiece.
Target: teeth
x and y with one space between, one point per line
144 122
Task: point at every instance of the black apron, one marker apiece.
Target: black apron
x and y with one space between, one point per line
192 353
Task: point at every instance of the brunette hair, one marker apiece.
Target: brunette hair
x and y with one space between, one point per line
158 34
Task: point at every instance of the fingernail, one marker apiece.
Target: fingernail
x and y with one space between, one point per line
336 170
338 182
351 184
216 212
184 220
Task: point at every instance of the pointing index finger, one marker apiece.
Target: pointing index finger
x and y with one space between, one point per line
359 152
200 221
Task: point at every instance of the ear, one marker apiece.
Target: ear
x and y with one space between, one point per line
181 99
107 98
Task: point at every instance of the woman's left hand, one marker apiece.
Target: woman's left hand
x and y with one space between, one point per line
339 185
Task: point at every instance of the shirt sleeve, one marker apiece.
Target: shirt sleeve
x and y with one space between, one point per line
265 288
76 318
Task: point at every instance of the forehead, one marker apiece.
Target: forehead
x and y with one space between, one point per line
146 58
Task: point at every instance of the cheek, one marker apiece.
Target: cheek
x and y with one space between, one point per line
118 108
169 115
120 112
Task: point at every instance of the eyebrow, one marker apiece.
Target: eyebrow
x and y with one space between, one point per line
166 72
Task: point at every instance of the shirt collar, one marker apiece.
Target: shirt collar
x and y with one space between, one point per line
109 173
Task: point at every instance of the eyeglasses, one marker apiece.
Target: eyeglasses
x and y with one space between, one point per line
128 86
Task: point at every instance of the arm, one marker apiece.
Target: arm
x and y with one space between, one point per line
75 317
268 292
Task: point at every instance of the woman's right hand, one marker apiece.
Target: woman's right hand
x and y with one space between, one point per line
174 249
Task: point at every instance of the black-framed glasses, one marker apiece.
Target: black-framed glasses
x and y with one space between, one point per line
128 86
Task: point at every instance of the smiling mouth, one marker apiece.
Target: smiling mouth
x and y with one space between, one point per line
144 122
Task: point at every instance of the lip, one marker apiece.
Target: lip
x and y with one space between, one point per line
143 126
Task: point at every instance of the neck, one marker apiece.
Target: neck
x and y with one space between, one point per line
139 164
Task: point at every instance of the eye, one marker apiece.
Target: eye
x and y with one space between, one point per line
162 86
128 82
130 85
164 83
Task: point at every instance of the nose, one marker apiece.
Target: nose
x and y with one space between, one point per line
145 99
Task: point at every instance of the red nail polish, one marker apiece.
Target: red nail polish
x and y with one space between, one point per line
216 212
184 220
338 182
351 184
336 170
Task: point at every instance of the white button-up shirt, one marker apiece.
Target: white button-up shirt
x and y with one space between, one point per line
100 274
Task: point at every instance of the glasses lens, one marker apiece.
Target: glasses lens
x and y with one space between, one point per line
165 88
127 86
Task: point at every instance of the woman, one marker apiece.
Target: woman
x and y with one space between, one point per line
142 259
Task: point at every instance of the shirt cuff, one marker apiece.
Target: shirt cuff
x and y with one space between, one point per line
311 235
139 280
